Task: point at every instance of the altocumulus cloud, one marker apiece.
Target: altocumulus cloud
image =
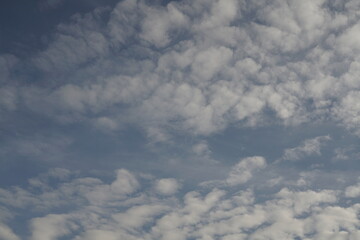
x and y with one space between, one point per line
97 210
199 65
187 73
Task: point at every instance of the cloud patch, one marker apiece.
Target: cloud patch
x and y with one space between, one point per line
197 66
202 213
307 148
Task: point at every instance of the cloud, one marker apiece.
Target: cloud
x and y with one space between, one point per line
125 182
50 227
243 171
187 70
227 212
6 233
167 186
348 110
307 148
353 191
198 66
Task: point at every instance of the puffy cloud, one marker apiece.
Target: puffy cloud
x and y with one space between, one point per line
194 68
348 110
167 186
158 24
136 217
197 66
353 191
204 213
125 182
7 234
50 227
243 171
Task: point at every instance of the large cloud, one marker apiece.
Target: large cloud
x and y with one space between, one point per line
198 66
91 209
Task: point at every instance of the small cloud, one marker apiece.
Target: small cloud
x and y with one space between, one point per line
106 123
244 170
203 153
201 149
353 191
125 183
167 186
308 147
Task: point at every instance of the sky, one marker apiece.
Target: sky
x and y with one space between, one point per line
179 120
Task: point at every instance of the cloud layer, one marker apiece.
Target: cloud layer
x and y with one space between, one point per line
139 206
197 66
186 74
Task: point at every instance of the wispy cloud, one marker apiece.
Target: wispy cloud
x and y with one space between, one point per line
307 148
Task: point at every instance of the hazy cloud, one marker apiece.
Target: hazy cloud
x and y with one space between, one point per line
307 148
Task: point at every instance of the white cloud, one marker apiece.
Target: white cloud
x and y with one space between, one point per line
307 148
244 170
167 186
348 110
198 66
125 182
50 227
158 24
137 216
7 234
195 68
353 191
225 213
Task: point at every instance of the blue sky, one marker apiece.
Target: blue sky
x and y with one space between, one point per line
179 120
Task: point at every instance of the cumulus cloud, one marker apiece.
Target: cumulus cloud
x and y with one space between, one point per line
198 66
52 226
125 182
167 186
212 213
189 68
353 191
7 234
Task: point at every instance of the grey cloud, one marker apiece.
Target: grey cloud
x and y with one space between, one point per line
353 191
51 227
7 234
